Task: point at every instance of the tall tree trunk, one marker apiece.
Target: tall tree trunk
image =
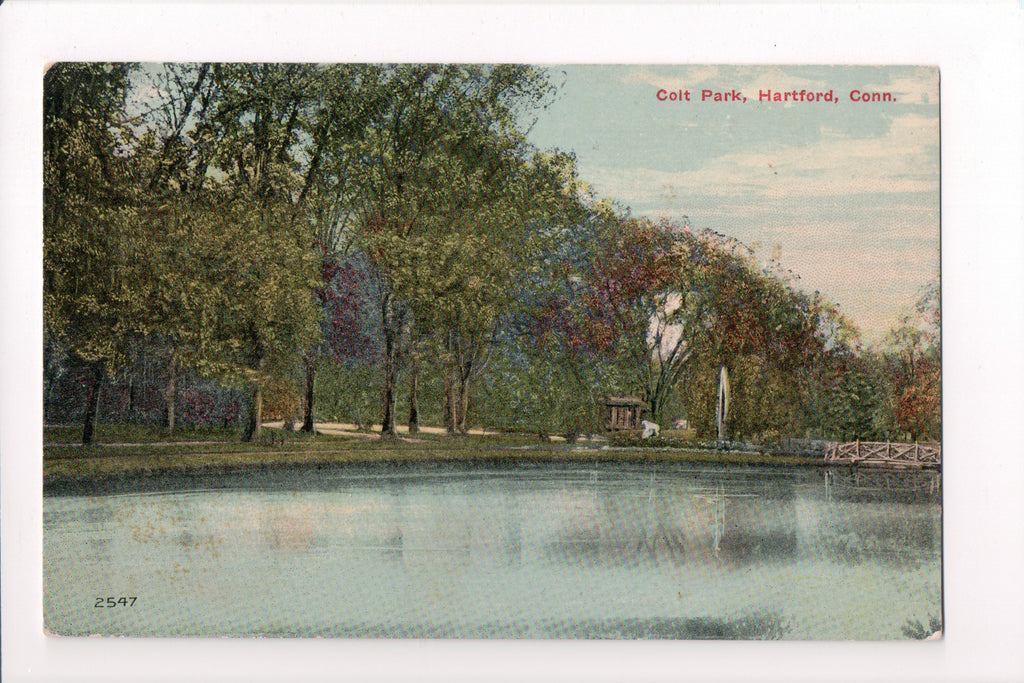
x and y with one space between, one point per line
254 423
463 409
307 421
392 329
92 403
131 394
170 395
451 402
463 395
656 400
414 412
387 422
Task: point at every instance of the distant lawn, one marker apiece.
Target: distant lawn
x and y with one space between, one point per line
125 433
152 452
688 435
70 435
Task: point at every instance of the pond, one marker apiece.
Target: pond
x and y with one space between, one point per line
581 550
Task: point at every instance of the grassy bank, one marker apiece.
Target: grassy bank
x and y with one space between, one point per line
71 435
134 450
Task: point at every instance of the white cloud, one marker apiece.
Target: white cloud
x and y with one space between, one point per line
854 217
901 161
921 88
873 261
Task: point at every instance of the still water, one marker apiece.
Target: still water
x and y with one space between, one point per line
536 551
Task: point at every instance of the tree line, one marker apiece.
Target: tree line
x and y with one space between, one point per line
342 240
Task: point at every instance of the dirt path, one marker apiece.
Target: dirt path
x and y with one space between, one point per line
329 428
351 430
345 429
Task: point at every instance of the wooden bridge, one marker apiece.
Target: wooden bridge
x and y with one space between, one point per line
885 454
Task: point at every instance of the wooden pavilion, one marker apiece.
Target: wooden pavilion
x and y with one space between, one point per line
623 412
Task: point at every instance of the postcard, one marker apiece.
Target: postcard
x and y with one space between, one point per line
491 351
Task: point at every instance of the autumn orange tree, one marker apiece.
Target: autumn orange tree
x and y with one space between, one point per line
763 330
637 305
912 362
667 307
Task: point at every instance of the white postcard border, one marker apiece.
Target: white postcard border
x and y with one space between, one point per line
979 51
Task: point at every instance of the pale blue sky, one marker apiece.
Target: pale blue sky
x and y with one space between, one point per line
847 192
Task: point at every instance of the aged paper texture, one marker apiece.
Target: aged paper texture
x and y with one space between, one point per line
492 351
553 540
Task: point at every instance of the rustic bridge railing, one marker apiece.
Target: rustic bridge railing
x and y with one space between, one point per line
888 453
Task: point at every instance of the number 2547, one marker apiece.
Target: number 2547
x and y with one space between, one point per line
123 601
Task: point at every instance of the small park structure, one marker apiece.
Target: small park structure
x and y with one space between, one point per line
885 454
623 413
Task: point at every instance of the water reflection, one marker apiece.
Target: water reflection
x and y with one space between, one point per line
703 524
853 484
292 528
598 550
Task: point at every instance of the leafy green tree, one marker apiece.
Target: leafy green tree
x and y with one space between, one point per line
457 275
535 384
842 390
444 200
172 159
221 158
260 126
341 97
91 238
555 365
248 291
